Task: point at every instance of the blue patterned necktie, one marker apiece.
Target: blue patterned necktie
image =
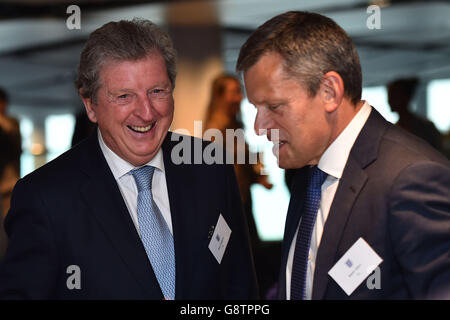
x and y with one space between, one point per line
155 234
316 177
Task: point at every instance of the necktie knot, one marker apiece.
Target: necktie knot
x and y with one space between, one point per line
316 177
143 177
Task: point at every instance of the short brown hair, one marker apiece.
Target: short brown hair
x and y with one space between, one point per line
121 41
311 45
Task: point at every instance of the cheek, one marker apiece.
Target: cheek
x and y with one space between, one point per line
117 114
165 110
111 121
302 134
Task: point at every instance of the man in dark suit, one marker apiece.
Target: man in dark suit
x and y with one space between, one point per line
116 217
369 216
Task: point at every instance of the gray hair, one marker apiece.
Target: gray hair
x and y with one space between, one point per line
121 41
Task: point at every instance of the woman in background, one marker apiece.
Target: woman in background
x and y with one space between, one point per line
224 112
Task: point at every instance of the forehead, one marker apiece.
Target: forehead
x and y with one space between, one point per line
267 79
151 68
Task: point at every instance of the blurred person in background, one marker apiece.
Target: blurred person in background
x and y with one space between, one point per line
224 112
10 152
6 146
400 94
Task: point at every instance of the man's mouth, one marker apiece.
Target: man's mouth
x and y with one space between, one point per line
276 147
141 129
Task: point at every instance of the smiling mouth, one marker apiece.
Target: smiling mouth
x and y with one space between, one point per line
142 129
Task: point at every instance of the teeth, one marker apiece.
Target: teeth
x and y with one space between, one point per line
142 129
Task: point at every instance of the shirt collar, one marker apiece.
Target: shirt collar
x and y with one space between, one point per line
121 167
336 155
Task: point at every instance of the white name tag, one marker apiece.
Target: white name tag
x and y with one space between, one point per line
219 240
355 266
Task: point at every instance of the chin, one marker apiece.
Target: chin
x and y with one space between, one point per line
140 161
290 165
286 166
141 156
283 164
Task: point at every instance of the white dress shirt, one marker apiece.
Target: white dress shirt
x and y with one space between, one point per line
127 185
332 162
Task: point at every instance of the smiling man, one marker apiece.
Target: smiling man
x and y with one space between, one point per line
114 217
367 196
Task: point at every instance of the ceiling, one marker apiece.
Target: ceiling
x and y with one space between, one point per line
38 53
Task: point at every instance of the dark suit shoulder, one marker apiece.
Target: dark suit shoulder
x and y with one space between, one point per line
400 146
62 173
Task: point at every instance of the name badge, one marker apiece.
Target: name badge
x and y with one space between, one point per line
219 239
355 266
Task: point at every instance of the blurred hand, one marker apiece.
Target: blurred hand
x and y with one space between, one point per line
264 180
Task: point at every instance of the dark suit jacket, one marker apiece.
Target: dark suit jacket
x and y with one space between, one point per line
71 212
395 194
3 239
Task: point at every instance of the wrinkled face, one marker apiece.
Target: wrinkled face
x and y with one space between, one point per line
135 107
283 104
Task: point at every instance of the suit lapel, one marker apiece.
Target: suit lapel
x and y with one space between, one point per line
181 182
102 195
346 194
363 153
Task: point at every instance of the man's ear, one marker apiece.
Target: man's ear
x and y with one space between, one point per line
332 90
90 108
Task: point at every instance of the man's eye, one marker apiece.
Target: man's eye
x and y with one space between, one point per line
273 107
123 96
160 93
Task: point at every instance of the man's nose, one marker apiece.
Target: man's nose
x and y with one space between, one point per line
144 108
262 122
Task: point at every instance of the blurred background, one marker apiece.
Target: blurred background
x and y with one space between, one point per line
39 52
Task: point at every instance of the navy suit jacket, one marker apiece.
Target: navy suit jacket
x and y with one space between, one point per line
71 212
395 194
3 240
